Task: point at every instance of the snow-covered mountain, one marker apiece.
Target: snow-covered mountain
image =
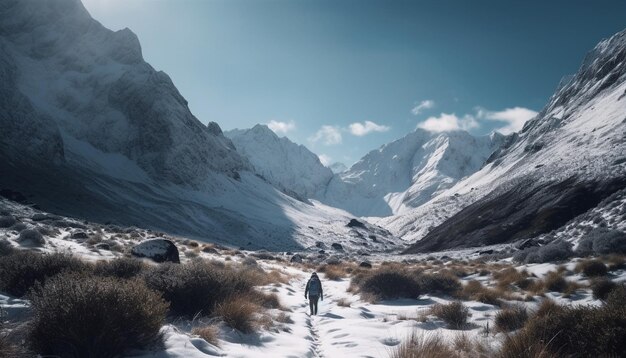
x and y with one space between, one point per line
562 164
290 167
90 130
409 171
338 167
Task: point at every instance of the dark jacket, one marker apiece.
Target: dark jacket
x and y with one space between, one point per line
314 288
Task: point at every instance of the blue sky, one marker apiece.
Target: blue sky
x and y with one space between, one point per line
346 76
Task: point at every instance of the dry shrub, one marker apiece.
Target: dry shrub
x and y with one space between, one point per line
554 282
11 349
283 317
441 283
276 276
124 267
90 316
616 262
196 287
511 276
475 291
470 348
20 270
454 314
267 300
386 284
239 313
343 302
511 318
592 268
210 333
568 331
422 345
601 288
333 272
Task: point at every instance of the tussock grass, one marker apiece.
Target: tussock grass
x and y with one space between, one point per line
591 268
125 267
454 314
90 316
567 331
197 287
511 318
421 345
210 333
20 270
239 313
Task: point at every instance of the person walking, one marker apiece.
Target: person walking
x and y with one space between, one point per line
314 292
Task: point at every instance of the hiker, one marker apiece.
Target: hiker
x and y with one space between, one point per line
314 292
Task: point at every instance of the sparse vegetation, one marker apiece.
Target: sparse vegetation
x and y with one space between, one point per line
454 314
567 331
197 287
209 333
601 288
387 284
20 270
124 267
239 313
90 316
422 345
511 318
592 268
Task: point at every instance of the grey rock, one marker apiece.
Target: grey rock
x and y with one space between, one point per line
31 238
158 250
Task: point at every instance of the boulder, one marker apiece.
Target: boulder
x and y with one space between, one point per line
528 243
80 235
320 244
158 250
337 246
355 223
103 246
296 258
365 264
31 238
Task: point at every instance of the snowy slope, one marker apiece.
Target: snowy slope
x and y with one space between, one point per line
92 131
289 166
338 167
562 164
409 171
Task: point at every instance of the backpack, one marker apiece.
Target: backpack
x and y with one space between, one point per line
315 287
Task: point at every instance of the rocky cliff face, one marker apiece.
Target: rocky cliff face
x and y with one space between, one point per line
74 78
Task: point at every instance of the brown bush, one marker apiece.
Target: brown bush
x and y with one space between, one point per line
343 302
511 318
209 333
554 282
239 313
454 314
420 345
90 316
569 331
124 267
196 287
591 268
20 270
475 291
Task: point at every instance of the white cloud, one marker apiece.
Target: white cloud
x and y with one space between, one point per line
449 122
514 117
425 104
329 135
325 159
281 127
361 129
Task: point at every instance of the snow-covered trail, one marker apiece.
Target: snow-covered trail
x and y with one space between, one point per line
355 331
